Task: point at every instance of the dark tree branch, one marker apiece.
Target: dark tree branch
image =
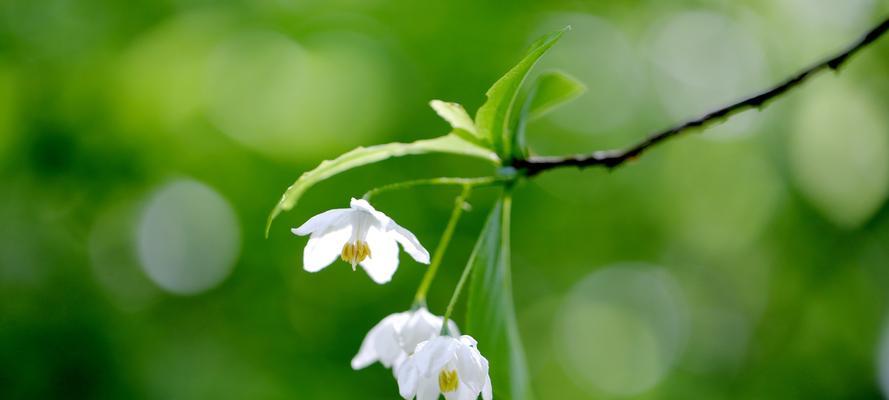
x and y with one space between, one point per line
613 158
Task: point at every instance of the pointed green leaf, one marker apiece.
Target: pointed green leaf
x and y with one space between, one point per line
463 126
455 115
491 315
548 92
551 90
493 118
369 155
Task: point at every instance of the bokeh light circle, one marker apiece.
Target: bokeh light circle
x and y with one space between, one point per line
718 197
827 14
160 77
115 264
621 329
289 99
188 237
839 152
701 59
258 82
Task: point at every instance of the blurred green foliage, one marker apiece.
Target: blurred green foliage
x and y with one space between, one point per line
747 261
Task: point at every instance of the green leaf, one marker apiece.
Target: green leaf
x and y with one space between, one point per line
491 315
455 115
548 92
551 90
493 118
369 155
462 123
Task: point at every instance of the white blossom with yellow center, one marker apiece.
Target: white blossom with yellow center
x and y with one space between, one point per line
360 235
447 366
394 338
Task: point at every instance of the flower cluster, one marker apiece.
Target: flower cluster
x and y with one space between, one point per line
427 358
394 338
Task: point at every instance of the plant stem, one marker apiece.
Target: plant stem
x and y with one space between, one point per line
456 295
463 277
505 211
465 182
459 203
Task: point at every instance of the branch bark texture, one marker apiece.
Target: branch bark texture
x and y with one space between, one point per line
613 158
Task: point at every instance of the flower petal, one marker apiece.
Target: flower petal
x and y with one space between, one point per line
324 248
435 321
420 326
434 355
367 353
383 259
407 239
462 393
409 242
381 343
396 365
363 205
428 389
408 378
320 222
487 391
388 347
471 369
452 328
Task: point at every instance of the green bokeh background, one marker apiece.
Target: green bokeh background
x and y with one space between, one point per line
750 260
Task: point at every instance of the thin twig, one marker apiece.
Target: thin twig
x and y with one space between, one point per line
471 182
614 158
459 206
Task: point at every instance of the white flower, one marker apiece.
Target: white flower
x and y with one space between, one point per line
445 365
396 336
359 235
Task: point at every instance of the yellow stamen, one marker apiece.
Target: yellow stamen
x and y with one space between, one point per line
447 380
348 250
354 253
363 251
